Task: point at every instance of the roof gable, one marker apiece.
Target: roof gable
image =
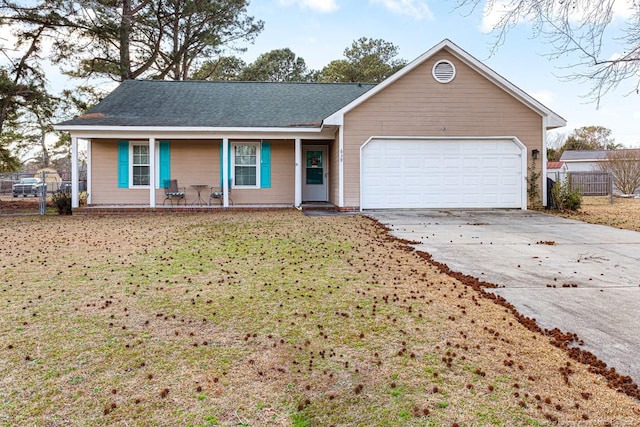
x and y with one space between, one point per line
219 104
553 120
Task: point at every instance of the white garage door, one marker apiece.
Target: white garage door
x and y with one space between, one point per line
425 173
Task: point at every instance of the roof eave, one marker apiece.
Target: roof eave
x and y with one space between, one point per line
203 133
291 129
554 121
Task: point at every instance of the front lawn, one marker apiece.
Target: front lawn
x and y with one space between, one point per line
264 318
622 213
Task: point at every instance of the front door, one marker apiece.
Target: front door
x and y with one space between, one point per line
314 173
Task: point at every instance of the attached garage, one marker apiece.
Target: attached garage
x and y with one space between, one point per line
443 173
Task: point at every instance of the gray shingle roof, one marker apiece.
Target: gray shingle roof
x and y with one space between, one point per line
570 155
592 155
220 104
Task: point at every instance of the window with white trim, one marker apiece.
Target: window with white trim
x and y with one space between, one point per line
245 165
140 167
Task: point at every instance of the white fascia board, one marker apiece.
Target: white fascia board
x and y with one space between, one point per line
84 131
554 120
184 129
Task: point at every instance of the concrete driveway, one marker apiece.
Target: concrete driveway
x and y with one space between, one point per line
578 277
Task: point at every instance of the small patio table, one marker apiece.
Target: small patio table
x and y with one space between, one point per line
199 187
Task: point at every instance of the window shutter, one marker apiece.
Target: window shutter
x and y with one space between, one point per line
265 164
165 163
228 167
123 164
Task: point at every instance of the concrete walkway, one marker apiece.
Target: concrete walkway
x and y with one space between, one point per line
578 277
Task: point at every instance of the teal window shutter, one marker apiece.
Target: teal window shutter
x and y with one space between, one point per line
228 166
165 163
265 164
123 164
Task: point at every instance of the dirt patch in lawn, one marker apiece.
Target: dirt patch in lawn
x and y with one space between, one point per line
265 318
622 213
21 205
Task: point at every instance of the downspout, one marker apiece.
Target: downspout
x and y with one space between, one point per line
544 161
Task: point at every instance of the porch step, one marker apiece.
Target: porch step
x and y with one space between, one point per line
318 206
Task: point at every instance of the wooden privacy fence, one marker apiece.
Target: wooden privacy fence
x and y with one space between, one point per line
591 183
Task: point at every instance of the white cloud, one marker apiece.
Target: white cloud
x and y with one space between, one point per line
324 6
546 97
492 14
623 9
415 8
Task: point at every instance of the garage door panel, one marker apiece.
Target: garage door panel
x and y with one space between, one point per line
441 174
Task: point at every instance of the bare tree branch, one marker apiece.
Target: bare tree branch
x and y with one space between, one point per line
581 29
625 167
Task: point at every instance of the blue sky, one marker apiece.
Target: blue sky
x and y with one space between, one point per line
320 30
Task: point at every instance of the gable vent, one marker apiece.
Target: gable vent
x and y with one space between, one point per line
444 71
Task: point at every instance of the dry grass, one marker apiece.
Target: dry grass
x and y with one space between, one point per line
623 213
264 319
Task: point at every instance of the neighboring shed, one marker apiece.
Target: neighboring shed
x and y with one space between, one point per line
556 171
51 177
583 160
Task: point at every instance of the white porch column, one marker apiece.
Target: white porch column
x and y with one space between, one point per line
75 200
152 172
225 172
341 167
89 177
298 173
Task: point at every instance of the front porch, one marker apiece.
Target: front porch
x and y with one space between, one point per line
128 175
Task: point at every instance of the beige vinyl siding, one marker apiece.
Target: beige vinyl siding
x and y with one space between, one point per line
417 105
192 162
104 177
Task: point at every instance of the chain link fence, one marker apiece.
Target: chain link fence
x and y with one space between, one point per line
32 194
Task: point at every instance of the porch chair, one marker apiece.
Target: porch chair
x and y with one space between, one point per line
217 193
171 191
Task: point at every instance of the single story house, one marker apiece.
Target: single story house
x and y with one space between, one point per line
446 131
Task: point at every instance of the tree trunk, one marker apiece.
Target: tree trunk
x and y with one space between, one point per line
125 34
